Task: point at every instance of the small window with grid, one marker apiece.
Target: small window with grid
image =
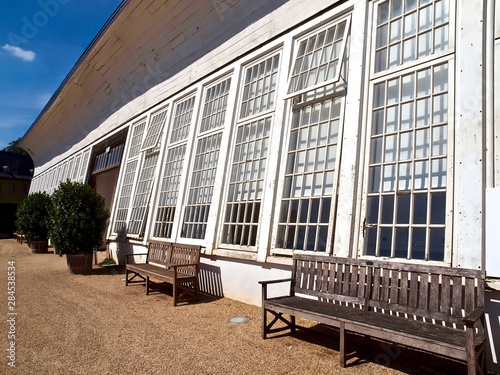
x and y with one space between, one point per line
76 169
319 58
84 166
259 89
182 120
407 30
154 130
70 169
214 108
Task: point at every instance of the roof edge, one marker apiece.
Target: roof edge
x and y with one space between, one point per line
78 63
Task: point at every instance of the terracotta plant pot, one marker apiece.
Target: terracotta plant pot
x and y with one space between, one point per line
39 246
79 263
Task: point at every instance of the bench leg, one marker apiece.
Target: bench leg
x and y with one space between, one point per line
147 285
264 323
342 344
174 292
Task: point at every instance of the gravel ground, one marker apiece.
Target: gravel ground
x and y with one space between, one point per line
72 324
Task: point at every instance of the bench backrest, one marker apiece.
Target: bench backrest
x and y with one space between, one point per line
442 294
331 279
186 254
159 252
173 254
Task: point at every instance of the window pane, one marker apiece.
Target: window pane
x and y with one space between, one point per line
387 209
401 245
318 58
436 245
259 89
420 209
403 210
438 208
418 243
372 209
385 242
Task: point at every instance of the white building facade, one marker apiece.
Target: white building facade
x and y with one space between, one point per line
351 128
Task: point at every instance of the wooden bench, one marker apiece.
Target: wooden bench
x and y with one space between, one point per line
19 237
436 309
174 263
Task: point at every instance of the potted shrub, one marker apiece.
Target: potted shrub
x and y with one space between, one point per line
77 223
32 220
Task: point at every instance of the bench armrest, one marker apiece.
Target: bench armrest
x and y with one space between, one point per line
266 282
132 255
183 265
473 317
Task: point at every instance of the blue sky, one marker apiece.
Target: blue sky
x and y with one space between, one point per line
40 42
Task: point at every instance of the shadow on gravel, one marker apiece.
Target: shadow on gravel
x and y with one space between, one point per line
108 270
362 349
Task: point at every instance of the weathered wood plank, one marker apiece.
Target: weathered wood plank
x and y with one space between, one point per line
434 292
445 302
394 286
457 296
424 291
403 294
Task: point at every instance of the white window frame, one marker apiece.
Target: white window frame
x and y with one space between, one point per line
418 60
336 88
400 72
341 58
210 199
241 121
173 225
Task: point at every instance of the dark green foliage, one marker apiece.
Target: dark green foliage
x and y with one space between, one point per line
32 216
13 147
77 218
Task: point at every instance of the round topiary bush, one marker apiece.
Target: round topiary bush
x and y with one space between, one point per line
77 218
32 216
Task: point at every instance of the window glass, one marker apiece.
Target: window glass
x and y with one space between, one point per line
259 89
206 158
408 170
310 178
319 58
246 183
407 30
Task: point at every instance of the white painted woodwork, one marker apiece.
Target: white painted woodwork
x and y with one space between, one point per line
469 138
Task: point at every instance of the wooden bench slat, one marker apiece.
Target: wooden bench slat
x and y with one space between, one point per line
445 301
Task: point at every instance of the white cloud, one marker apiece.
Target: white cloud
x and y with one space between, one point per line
23 54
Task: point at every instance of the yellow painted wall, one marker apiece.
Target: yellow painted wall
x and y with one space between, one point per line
6 195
